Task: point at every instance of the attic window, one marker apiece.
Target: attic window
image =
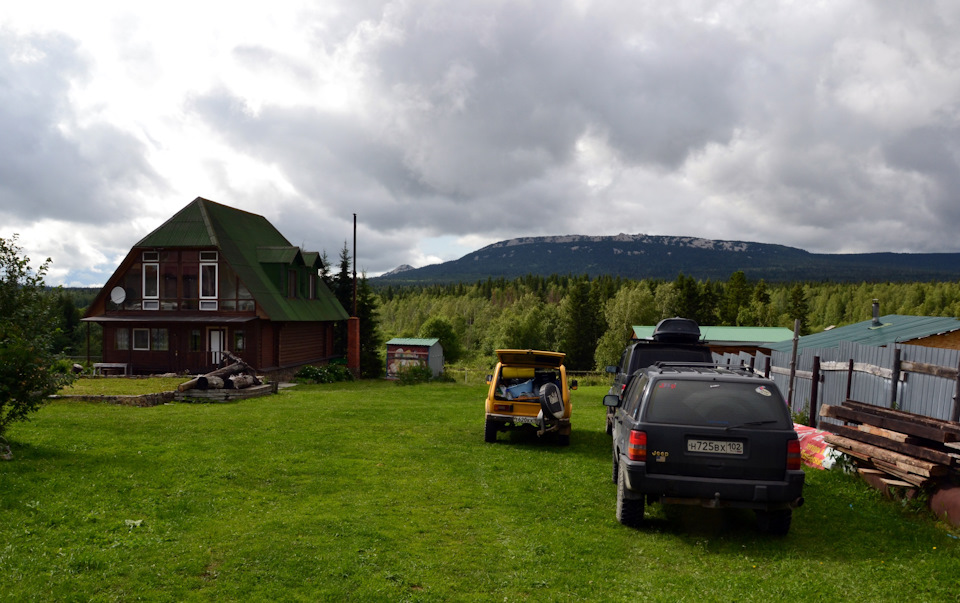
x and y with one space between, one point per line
209 256
291 283
151 256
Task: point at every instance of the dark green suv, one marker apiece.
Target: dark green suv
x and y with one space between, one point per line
708 435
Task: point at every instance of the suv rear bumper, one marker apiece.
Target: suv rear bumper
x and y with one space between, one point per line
714 492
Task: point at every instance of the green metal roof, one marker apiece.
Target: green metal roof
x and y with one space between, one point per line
894 328
246 241
279 255
412 341
756 335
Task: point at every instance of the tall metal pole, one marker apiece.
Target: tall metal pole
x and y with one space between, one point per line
354 264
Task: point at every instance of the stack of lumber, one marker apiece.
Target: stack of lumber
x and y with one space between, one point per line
910 449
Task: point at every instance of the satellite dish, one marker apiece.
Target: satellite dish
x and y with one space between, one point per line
117 295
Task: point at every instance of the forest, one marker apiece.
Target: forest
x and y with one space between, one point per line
590 319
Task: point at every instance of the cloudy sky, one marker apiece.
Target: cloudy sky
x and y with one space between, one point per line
446 126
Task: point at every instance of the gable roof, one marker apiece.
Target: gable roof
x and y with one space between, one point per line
408 341
247 241
893 328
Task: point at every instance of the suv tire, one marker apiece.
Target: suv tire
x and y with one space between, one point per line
775 523
616 469
629 510
490 431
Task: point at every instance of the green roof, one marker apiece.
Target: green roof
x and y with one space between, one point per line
755 335
412 341
246 241
893 328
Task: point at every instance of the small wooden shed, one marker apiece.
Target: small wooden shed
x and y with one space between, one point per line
403 352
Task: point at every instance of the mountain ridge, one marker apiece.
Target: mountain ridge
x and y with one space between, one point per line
640 256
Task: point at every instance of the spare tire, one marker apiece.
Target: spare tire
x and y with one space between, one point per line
551 401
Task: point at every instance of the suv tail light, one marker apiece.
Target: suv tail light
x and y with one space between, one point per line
637 449
793 455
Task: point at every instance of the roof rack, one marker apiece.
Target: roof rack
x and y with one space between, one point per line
704 366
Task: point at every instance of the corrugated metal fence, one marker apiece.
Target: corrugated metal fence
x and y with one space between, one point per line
918 393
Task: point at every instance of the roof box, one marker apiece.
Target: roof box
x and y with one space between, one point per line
677 330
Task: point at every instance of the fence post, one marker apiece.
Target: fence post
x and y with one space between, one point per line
814 393
955 413
896 378
793 361
850 379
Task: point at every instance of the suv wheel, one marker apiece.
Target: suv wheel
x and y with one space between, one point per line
776 523
629 510
490 431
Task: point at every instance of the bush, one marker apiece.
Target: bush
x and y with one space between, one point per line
411 375
330 373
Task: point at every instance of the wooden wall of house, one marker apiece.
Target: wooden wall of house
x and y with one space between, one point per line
303 342
949 341
267 357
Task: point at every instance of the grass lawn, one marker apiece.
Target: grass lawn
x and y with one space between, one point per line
118 386
373 492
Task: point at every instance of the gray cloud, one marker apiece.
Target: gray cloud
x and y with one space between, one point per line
832 127
51 166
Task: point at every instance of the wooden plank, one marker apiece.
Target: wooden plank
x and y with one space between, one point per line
916 480
860 367
911 450
895 424
946 426
929 369
896 436
908 463
898 483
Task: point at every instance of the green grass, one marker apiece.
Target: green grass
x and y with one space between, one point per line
120 386
371 492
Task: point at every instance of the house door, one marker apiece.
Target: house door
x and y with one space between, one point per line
216 340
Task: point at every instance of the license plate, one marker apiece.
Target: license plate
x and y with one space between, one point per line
715 446
525 420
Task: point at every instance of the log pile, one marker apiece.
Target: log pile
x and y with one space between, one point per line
237 375
903 449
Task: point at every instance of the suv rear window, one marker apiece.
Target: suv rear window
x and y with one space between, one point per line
716 404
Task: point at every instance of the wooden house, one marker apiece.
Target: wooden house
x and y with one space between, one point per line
212 279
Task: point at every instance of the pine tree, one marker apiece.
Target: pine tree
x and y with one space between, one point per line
371 341
581 325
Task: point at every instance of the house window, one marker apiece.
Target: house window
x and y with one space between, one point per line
312 293
158 339
151 281
141 339
122 339
151 256
239 341
209 256
208 285
291 283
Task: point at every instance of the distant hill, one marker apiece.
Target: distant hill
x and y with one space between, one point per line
658 257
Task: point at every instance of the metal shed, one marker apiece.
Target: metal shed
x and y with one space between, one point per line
402 352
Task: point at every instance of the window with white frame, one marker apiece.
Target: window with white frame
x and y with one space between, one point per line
208 280
151 286
141 339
